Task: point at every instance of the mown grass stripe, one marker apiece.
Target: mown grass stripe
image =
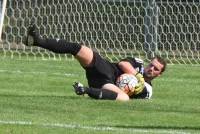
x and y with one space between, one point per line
73 126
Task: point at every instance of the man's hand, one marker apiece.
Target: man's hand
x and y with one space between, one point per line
140 86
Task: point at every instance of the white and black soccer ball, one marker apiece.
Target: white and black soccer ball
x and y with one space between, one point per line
126 82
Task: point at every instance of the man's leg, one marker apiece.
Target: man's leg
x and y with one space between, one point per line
97 93
121 95
82 53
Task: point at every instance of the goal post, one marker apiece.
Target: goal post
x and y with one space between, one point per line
2 14
114 28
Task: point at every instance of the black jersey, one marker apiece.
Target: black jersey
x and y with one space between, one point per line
102 71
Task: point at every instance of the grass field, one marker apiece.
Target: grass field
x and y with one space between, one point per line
36 97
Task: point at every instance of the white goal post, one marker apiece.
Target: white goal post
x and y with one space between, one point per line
2 12
114 28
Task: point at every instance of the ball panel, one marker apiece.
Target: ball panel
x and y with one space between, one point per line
126 82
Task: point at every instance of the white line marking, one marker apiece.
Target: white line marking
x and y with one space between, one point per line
53 73
72 126
78 75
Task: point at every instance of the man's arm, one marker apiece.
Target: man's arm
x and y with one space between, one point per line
126 67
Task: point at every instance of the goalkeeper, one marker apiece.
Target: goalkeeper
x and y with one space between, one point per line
100 73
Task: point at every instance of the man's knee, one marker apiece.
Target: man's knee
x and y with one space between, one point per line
122 97
85 56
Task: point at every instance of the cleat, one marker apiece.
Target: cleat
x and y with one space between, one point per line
32 36
79 89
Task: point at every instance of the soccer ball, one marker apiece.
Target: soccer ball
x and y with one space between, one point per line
126 82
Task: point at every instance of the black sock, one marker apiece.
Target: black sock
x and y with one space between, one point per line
58 46
101 94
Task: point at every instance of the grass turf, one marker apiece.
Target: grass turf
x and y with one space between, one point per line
36 96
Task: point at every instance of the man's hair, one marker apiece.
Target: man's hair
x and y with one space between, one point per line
162 61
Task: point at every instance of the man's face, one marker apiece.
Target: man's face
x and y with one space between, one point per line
153 69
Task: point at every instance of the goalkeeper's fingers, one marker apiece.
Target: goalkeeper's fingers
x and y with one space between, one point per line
138 88
140 78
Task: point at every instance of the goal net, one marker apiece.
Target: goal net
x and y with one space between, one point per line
114 28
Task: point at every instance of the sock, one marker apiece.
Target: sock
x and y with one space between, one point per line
105 94
58 45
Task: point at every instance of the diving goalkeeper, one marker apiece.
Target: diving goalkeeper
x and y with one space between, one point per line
100 73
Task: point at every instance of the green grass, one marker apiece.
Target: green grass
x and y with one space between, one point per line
36 97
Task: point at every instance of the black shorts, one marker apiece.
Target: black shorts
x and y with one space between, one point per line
100 72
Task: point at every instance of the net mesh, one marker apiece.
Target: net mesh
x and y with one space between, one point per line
114 28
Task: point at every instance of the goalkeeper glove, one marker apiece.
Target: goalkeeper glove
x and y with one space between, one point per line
140 86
